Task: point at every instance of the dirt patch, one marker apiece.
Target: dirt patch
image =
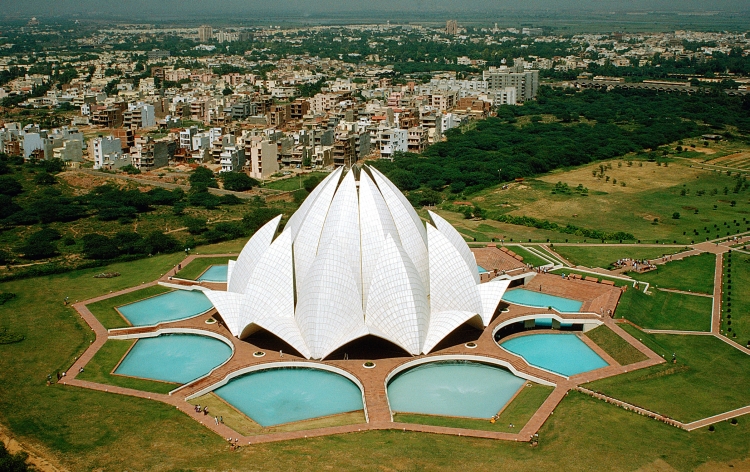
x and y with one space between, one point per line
39 462
85 182
703 150
731 157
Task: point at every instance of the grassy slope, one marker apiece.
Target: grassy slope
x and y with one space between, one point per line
528 257
100 367
652 192
615 346
694 273
710 377
518 412
598 256
105 312
665 310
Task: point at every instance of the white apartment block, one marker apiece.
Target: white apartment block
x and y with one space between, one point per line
105 150
392 140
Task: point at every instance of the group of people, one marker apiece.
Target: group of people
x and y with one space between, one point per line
204 410
638 265
233 443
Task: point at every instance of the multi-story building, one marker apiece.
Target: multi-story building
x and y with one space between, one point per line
391 141
526 82
417 139
104 151
139 115
232 159
263 157
205 33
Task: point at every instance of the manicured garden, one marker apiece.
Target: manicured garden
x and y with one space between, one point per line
605 256
736 297
694 274
665 310
620 350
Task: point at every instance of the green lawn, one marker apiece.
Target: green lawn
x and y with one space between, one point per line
103 363
105 312
199 265
665 310
618 282
528 257
293 182
518 413
736 299
620 350
694 273
601 256
710 377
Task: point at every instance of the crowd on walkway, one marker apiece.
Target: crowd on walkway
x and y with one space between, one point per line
637 265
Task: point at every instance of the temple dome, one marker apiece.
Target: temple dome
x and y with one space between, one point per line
354 260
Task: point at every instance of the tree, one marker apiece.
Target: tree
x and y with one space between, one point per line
45 179
40 245
255 219
195 225
159 242
204 176
676 215
311 182
238 181
9 186
130 169
98 246
227 91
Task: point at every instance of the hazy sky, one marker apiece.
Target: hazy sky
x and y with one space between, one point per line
213 8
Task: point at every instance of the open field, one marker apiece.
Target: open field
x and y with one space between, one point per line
709 377
694 274
652 192
615 346
293 182
83 429
105 312
604 257
103 363
517 413
665 310
737 300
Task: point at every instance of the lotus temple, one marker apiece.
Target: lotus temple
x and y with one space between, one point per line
356 313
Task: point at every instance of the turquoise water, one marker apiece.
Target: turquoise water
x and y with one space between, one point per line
466 389
171 306
275 396
542 300
562 353
178 358
215 273
481 269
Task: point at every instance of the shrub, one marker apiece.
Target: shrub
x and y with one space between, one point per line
238 181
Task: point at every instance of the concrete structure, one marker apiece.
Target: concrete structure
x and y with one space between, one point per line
104 151
263 157
232 159
353 261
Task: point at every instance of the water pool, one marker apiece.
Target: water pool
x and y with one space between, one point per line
563 353
542 300
275 396
215 273
171 306
178 358
481 269
468 389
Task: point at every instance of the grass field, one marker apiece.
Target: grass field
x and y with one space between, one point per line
615 346
103 363
710 377
105 312
528 257
665 310
293 182
736 299
199 265
651 192
604 257
694 274
85 430
567 271
518 412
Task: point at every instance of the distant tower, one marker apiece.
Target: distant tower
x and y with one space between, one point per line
205 33
451 27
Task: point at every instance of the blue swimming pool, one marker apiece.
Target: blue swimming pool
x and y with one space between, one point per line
467 389
275 396
171 306
542 300
563 353
178 358
481 269
215 273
